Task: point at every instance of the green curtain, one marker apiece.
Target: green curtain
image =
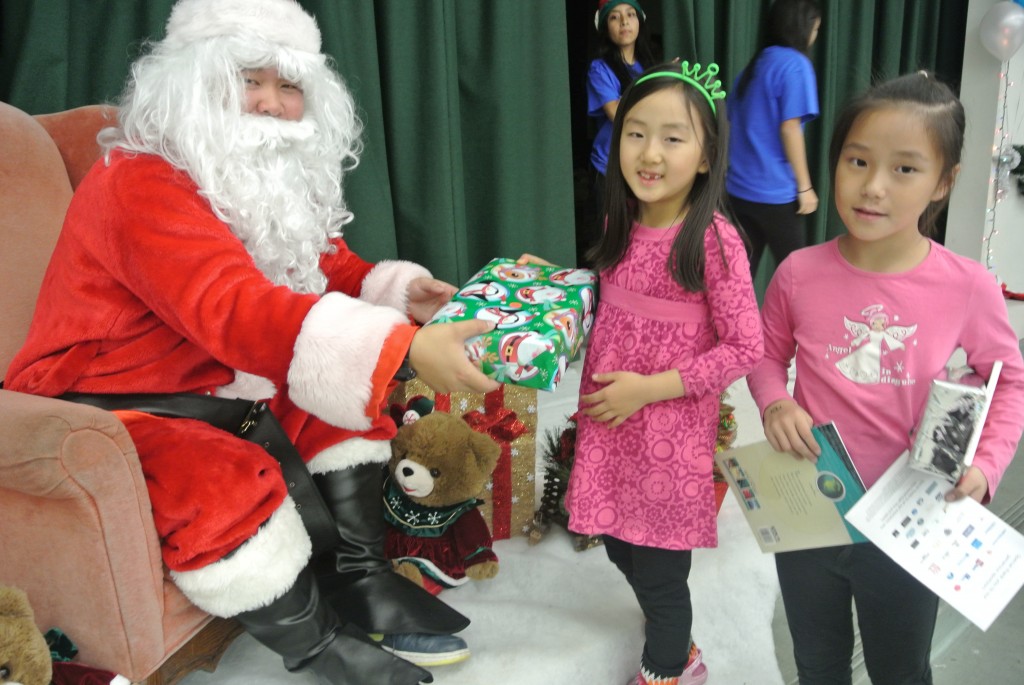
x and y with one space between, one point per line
465 103
469 129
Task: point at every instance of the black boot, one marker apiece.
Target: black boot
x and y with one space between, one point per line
307 633
355 577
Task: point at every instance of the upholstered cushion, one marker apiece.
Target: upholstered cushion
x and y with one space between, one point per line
74 131
76 511
34 195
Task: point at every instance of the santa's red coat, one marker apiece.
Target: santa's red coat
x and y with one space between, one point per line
148 292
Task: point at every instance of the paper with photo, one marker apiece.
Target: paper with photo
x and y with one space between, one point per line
792 503
961 551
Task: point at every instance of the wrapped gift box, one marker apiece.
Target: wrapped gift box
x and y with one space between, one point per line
542 316
509 416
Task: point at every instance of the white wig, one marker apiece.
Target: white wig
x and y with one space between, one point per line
277 184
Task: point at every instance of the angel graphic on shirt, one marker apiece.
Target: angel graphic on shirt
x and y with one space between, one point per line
864 363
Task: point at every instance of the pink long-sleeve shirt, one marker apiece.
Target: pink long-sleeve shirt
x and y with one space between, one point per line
868 345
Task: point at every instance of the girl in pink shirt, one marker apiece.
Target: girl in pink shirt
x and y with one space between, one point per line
677 323
871 318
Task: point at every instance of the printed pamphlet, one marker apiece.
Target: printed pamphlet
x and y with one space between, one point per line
960 550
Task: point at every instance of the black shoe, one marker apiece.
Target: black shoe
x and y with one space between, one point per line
426 650
352 658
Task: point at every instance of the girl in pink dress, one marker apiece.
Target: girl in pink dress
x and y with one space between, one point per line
676 324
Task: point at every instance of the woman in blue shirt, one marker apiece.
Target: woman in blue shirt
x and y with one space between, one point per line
768 180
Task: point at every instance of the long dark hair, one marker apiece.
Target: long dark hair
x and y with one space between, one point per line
789 24
643 52
686 257
937 105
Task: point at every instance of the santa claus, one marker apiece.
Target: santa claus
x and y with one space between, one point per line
204 254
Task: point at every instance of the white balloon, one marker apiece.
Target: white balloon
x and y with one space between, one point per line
1002 29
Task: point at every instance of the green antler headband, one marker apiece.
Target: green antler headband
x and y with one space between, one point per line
706 83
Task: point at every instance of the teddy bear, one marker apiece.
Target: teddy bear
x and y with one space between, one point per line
24 654
435 533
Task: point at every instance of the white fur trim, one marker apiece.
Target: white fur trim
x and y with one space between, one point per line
349 453
282 22
260 571
388 283
434 570
336 354
247 386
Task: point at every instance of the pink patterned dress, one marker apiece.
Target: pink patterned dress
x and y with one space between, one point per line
649 481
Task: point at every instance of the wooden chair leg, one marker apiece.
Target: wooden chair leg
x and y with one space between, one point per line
203 651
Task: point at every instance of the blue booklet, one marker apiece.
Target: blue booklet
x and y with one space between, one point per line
838 479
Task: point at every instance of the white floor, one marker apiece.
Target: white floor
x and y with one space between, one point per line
553 615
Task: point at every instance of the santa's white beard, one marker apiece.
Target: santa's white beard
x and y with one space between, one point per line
281 198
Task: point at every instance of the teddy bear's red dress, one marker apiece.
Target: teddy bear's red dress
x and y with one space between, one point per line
441 541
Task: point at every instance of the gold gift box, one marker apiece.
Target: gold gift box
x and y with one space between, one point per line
514 479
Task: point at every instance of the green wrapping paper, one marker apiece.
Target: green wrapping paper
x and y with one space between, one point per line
542 315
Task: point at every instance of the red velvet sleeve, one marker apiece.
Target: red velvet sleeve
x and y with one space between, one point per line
345 270
159 238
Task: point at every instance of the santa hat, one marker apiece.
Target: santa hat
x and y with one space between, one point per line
281 22
604 8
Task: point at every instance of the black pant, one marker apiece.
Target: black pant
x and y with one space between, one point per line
895 612
777 226
659 580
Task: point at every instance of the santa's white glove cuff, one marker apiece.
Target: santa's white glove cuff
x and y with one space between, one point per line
387 283
336 354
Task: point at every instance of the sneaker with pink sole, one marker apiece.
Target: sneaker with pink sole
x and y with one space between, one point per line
695 673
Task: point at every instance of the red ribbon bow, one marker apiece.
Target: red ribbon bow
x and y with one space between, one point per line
503 426
500 423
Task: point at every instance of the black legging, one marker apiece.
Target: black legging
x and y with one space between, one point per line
659 581
777 226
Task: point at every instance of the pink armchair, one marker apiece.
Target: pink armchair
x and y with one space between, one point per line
76 530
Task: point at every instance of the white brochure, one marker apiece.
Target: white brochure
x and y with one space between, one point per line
963 552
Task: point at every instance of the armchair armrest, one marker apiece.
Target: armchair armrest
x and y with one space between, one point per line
77 529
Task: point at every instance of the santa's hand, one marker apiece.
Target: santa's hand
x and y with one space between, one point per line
527 258
972 484
438 355
788 429
426 295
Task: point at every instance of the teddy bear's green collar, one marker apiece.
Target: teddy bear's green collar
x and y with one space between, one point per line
419 520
